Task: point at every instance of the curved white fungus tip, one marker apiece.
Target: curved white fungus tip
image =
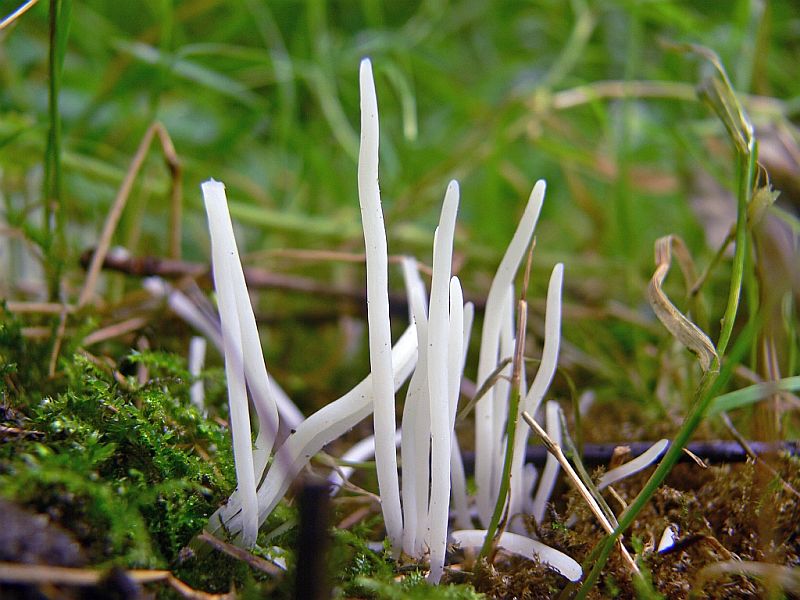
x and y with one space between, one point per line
523 546
668 538
552 342
645 459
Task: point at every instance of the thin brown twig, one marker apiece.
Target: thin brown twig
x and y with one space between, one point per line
355 517
39 307
670 90
176 191
251 559
4 431
115 330
115 213
60 332
330 255
555 450
36 333
85 577
256 278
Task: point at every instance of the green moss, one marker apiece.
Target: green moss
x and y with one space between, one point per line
134 471
414 587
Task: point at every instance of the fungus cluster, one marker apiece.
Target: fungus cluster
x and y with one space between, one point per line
431 352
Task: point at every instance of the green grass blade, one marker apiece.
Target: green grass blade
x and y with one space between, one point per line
752 394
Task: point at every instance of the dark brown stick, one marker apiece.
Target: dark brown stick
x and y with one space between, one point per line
256 278
313 542
713 451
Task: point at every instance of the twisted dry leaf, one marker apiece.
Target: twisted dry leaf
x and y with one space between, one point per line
686 332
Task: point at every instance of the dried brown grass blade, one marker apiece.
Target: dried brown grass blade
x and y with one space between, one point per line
78 577
115 213
684 330
786 577
587 496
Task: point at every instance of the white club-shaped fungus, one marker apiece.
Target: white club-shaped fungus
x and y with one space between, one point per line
644 460
487 448
380 340
415 440
224 254
523 546
439 367
433 348
318 430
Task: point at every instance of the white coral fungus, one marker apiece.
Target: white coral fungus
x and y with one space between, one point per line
432 351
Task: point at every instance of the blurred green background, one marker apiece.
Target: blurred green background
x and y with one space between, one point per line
264 96
593 96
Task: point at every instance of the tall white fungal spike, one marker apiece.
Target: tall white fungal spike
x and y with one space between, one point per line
458 478
415 440
552 342
438 381
433 348
551 467
380 341
224 253
486 447
541 382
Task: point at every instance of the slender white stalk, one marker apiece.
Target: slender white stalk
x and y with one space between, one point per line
551 466
415 288
457 341
321 428
421 465
361 451
488 359
458 479
380 341
552 343
469 319
529 476
330 422
502 391
255 369
223 249
523 546
644 460
197 359
439 368
186 309
415 442
541 382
